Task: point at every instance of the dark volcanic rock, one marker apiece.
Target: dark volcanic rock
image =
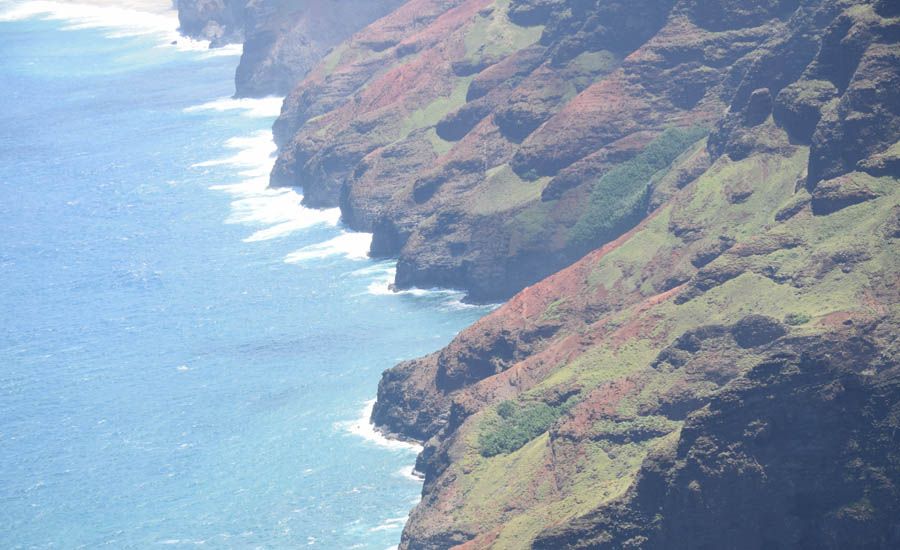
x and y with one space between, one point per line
758 108
838 193
866 119
284 41
798 107
756 330
405 412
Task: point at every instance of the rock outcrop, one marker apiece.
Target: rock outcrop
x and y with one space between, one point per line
219 21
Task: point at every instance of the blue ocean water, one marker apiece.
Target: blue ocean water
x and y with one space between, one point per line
184 356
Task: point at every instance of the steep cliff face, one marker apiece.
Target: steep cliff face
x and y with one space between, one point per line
283 39
678 379
489 143
219 21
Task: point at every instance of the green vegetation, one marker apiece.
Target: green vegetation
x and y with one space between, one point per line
503 475
503 190
596 476
587 67
494 35
330 63
795 319
519 424
438 144
432 113
601 61
531 226
893 150
619 198
555 309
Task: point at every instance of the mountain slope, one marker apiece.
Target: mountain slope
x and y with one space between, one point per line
473 136
602 363
760 248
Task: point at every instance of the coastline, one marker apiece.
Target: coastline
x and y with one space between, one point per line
119 19
253 201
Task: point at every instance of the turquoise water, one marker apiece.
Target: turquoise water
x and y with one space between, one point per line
184 357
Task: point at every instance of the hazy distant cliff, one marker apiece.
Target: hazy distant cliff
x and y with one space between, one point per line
219 21
282 39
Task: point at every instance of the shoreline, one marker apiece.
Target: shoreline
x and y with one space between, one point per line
122 19
246 169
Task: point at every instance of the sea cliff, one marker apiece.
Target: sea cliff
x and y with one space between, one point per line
692 211
282 39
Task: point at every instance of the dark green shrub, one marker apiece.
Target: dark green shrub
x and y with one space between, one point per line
618 200
795 319
518 425
506 409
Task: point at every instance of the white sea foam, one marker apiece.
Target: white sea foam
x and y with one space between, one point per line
306 218
384 278
122 19
265 107
411 474
386 267
390 524
278 210
255 153
363 428
381 285
351 245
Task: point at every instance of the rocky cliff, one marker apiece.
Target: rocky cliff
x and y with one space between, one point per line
219 21
539 418
283 39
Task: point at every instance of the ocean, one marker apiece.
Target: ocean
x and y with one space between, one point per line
186 357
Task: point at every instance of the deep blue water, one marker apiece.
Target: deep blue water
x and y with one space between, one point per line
165 376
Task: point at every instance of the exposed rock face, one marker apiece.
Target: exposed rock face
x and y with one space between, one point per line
451 117
219 21
282 39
